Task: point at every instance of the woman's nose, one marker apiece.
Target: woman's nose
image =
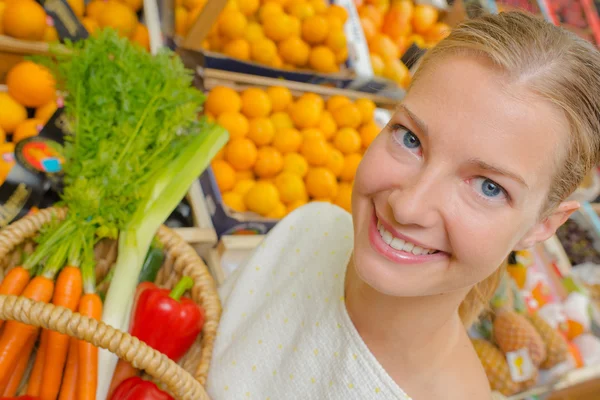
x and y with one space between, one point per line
416 203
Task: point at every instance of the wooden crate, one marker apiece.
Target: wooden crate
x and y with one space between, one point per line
13 51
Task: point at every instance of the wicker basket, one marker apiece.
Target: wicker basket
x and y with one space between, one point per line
186 380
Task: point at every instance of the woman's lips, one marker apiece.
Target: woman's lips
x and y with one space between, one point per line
398 256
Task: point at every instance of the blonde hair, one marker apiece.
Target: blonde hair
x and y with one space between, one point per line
557 66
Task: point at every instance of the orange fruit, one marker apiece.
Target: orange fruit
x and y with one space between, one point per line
424 17
295 163
396 23
236 124
312 133
262 198
141 36
336 41
31 84
341 56
415 39
269 10
255 103
119 17
322 59
344 196
221 99
295 26
242 186
278 27
221 154
237 48
135 5
278 212
377 64
234 201
315 98
366 108
291 187
232 24
338 12
193 4
45 112
193 14
28 128
347 116
241 154
327 125
368 132
263 51
254 31
321 183
384 47
336 101
276 62
369 28
248 7
24 20
269 162
437 32
281 120
372 13
181 21
305 113
294 51
287 140
320 6
315 29
2 7
347 140
351 162
224 175
335 162
244 175
261 131
215 43
296 204
51 35
396 71
280 96
300 9
316 151
93 9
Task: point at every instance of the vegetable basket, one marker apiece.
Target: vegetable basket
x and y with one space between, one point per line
184 380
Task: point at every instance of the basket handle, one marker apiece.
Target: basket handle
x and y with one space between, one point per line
127 347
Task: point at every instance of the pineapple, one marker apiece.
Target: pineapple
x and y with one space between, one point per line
496 367
528 384
513 332
557 349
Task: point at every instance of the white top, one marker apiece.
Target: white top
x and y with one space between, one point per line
285 332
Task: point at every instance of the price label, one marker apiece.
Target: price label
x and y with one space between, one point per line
520 365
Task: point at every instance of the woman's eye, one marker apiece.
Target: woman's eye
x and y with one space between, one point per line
406 138
489 189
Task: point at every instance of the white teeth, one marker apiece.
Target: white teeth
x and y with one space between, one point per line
397 244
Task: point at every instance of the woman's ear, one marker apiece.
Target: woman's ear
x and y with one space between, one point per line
544 229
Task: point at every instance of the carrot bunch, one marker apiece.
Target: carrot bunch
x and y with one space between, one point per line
64 368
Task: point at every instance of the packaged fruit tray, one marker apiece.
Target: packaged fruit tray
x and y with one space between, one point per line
580 238
286 147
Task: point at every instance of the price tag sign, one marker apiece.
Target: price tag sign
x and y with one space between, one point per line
520 365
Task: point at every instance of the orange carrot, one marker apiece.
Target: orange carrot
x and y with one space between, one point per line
123 372
14 282
90 305
35 379
66 294
68 389
19 370
16 334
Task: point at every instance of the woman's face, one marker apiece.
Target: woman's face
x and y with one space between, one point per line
455 181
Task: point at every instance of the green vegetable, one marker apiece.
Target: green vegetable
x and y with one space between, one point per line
136 146
152 263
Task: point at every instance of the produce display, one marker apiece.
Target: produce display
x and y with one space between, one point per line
133 147
392 27
578 243
27 20
284 152
295 34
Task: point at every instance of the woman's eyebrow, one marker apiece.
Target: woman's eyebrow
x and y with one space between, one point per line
415 119
498 170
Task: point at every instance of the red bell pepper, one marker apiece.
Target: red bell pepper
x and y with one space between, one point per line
165 321
138 389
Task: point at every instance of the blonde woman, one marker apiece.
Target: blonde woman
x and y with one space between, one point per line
500 125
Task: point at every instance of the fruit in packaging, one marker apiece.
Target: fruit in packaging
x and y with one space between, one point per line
514 332
496 367
557 349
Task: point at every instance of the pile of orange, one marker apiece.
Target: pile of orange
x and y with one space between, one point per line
286 34
26 19
284 152
391 27
31 91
